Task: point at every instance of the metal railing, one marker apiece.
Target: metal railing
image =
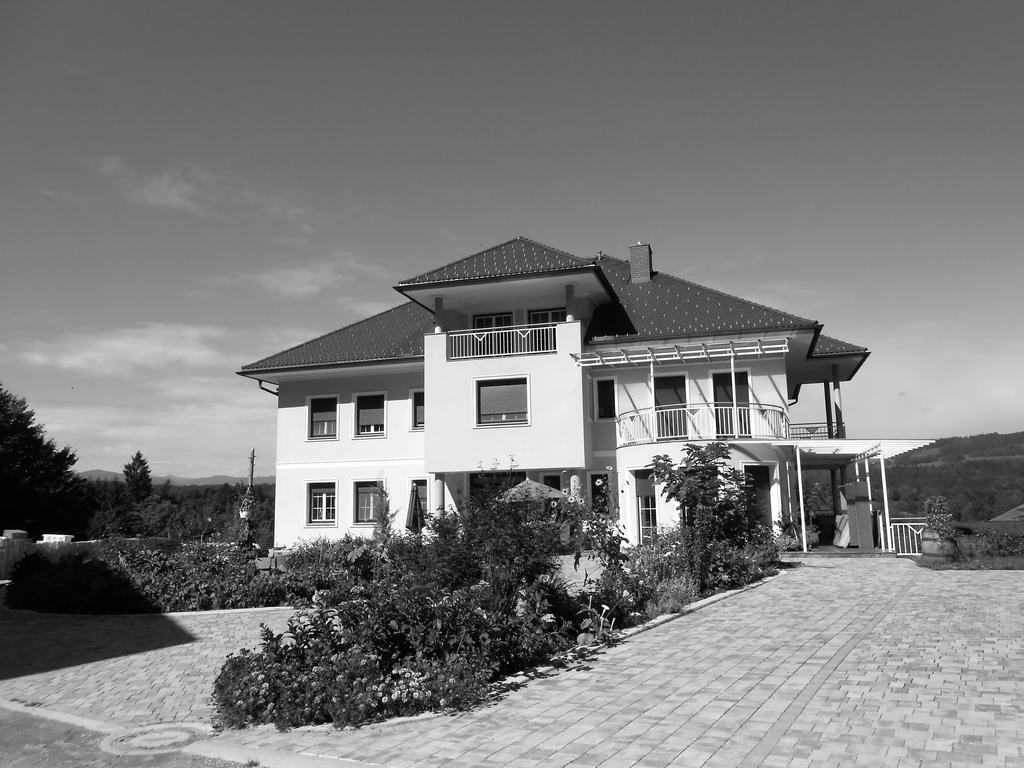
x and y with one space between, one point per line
809 431
703 421
501 342
906 535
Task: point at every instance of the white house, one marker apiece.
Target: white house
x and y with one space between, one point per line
571 371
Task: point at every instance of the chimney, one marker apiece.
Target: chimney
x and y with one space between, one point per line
640 263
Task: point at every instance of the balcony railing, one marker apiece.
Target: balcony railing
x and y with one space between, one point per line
811 431
703 421
501 342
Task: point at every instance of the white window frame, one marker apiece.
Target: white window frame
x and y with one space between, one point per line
310 437
412 405
356 482
547 310
510 314
615 398
308 504
501 424
355 415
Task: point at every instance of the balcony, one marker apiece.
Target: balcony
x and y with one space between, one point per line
703 421
502 342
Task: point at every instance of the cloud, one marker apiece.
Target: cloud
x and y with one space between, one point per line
302 281
194 189
121 351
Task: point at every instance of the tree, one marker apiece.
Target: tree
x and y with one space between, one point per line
38 488
137 479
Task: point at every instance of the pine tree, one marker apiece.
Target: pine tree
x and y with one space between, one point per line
136 477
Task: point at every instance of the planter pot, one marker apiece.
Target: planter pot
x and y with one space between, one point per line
935 547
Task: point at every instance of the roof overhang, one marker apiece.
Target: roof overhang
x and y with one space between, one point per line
682 353
296 373
832 454
537 289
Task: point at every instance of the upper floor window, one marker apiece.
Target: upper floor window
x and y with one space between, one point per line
418 410
604 398
323 417
544 316
502 401
494 320
370 414
369 501
321 506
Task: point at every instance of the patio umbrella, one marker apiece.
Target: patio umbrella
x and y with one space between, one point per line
415 518
531 490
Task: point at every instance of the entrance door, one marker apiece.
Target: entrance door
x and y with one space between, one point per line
760 477
670 406
728 423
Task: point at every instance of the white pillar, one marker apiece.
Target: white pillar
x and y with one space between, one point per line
438 496
800 488
570 297
885 500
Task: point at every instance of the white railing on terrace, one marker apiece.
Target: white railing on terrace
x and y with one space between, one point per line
812 431
501 342
703 421
906 535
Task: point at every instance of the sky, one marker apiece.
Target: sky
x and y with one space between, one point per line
188 187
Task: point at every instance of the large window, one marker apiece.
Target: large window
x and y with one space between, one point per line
545 316
370 414
493 320
670 404
321 504
502 401
369 501
732 407
323 417
604 398
418 410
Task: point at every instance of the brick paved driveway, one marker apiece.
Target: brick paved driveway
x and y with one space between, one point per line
840 662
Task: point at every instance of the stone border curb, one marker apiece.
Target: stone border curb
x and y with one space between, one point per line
61 717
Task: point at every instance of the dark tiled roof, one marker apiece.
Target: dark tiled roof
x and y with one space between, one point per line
394 334
828 346
664 307
667 307
519 256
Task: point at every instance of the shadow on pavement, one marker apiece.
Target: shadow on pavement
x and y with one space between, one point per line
33 642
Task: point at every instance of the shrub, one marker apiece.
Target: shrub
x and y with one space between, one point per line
74 583
331 567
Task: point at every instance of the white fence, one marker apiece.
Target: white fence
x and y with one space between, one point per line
906 535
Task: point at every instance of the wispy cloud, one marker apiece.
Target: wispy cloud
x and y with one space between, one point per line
197 190
123 351
304 280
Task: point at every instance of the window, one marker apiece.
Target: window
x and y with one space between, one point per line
369 414
600 496
670 405
495 320
544 316
552 481
732 419
501 401
418 411
321 504
604 398
369 502
323 417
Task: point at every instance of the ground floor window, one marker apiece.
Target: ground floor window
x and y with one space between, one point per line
321 504
369 501
646 505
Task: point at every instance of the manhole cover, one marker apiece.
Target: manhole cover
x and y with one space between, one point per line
154 739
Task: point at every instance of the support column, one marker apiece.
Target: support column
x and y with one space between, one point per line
438 495
570 297
829 421
837 403
438 311
800 488
885 501
881 527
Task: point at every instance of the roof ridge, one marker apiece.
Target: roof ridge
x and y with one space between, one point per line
330 333
450 264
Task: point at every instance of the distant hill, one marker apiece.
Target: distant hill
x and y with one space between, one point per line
981 475
104 474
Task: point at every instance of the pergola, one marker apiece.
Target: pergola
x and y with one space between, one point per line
839 453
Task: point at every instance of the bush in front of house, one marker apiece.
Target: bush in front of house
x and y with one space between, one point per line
119 576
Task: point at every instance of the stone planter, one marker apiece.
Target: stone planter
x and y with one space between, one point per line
935 547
